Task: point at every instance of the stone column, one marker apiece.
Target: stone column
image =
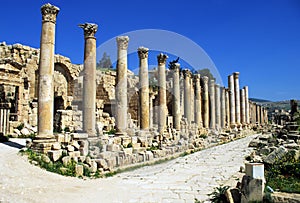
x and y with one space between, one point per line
231 93
262 115
223 108
144 88
162 95
46 72
212 104
237 98
181 80
151 113
218 106
247 108
89 79
187 95
192 99
257 114
227 108
176 96
198 103
243 107
205 108
121 86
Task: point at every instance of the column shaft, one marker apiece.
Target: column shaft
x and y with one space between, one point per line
198 109
176 97
212 104
231 101
227 106
243 106
218 106
144 88
187 96
89 79
247 105
46 72
237 98
223 108
162 95
205 115
121 86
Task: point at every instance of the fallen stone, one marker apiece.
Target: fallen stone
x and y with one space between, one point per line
93 167
75 144
45 158
55 154
25 132
56 146
70 148
102 164
79 170
276 155
66 160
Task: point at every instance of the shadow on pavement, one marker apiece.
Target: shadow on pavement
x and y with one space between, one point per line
13 144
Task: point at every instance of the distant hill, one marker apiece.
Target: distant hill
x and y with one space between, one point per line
271 105
259 100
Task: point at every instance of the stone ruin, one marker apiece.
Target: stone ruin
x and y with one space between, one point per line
114 117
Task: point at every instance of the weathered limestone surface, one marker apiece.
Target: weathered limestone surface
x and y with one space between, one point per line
187 95
218 106
212 108
89 78
162 97
176 96
46 71
198 103
237 98
144 88
205 113
121 88
232 101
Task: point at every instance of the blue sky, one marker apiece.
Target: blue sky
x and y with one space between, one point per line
260 39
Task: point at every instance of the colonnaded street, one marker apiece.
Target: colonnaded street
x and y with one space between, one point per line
179 180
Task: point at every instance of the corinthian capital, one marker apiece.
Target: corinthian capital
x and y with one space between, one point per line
236 75
143 52
49 13
205 79
122 42
187 73
162 58
197 77
89 29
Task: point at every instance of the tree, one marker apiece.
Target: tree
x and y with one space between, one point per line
206 72
105 62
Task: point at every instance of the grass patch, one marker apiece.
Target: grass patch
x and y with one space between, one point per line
284 174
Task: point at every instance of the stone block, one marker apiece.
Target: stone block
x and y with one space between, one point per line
128 151
93 167
55 154
149 156
60 138
45 158
74 154
79 170
70 148
102 164
56 146
79 136
66 160
252 190
276 155
88 161
113 148
25 132
255 170
75 145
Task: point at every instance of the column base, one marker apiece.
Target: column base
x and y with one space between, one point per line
43 144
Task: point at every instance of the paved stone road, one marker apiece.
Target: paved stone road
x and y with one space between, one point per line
179 180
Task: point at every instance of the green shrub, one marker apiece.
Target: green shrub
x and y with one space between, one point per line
21 126
218 195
